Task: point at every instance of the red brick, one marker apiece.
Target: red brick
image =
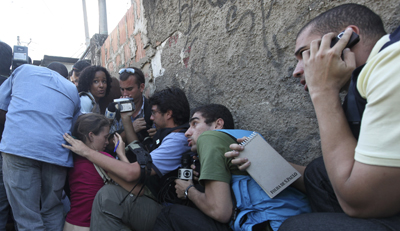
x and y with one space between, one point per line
122 31
140 52
138 5
130 21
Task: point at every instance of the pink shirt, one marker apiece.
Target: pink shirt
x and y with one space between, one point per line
84 182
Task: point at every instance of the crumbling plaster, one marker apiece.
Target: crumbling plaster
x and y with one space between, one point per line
239 54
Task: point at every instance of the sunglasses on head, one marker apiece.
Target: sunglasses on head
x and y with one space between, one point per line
129 70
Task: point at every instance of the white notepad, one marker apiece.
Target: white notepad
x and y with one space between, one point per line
268 168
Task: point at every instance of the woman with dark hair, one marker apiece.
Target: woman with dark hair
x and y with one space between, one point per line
85 179
94 84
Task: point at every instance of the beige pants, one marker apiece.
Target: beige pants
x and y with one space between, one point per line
71 227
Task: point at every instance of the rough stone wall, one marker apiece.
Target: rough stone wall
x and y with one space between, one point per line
236 53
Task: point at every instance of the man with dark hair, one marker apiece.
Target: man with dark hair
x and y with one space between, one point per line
166 100
214 206
77 70
34 163
223 183
5 61
59 68
117 206
5 64
212 112
132 85
359 139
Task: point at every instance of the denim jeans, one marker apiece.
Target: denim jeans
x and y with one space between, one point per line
327 214
108 214
4 205
34 190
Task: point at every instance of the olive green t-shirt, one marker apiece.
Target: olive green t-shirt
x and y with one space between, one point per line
211 147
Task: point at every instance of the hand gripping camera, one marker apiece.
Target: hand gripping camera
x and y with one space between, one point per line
186 173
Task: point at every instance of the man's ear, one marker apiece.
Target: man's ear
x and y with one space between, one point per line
141 87
354 28
219 123
169 114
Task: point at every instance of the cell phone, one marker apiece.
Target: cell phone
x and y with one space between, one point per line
354 39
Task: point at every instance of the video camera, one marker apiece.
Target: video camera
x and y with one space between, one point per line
120 105
124 104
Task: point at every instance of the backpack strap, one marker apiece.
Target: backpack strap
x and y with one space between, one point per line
147 113
103 174
162 133
354 104
143 134
235 134
84 93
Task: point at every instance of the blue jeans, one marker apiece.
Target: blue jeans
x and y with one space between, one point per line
4 205
34 190
327 214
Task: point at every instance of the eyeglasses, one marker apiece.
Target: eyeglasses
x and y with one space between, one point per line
129 70
154 112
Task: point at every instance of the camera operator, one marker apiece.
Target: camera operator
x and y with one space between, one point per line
132 84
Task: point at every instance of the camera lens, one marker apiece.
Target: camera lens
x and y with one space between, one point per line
187 174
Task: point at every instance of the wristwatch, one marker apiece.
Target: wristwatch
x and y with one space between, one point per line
187 191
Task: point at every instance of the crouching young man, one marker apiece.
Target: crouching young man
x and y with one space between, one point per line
217 205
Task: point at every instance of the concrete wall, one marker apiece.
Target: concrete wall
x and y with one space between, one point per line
232 52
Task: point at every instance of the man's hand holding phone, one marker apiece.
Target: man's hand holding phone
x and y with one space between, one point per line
325 70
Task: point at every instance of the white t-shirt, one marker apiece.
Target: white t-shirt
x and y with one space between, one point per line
379 84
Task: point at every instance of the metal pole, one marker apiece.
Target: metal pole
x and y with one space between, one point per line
103 17
87 43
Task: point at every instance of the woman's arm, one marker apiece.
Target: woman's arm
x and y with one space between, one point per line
129 172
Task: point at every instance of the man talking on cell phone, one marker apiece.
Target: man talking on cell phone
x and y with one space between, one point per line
354 185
